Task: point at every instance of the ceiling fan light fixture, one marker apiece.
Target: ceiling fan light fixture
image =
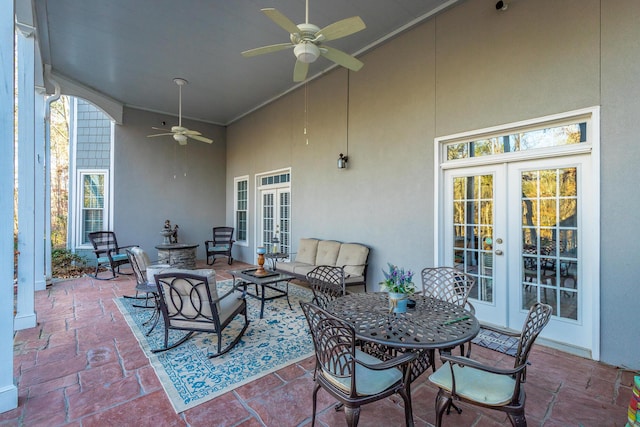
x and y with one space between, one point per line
306 52
182 139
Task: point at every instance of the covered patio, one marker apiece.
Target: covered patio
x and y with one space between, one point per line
438 75
81 365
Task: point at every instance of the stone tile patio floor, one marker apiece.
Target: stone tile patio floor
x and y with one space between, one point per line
82 366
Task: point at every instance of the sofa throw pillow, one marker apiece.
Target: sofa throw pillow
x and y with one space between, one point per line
307 250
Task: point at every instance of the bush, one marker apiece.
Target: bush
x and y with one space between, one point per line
65 264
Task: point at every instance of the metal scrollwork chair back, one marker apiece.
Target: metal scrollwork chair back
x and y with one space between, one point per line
327 284
352 377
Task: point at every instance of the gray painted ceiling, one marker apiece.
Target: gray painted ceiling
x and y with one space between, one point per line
130 50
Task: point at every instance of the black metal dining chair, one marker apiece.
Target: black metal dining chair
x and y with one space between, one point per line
351 376
461 378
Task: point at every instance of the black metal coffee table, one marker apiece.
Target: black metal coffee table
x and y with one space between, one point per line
268 281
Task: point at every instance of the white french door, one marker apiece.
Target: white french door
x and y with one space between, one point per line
275 222
522 229
475 233
273 214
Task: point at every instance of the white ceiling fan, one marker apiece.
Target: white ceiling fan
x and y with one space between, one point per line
307 41
180 133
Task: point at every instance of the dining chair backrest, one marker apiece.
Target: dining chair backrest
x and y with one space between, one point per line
448 284
327 284
537 318
334 342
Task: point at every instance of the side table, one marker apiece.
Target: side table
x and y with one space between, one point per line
273 258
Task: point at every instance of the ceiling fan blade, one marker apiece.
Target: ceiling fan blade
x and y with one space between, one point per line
159 134
281 20
166 130
300 71
189 132
266 49
341 58
200 138
341 28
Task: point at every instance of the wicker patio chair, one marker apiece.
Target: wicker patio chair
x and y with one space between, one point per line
190 302
352 377
467 380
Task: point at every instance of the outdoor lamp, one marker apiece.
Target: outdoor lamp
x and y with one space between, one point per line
342 161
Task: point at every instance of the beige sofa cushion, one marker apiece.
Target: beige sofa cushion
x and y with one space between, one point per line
327 252
307 250
353 256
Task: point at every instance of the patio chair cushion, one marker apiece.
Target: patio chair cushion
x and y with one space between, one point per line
115 257
475 384
368 381
141 257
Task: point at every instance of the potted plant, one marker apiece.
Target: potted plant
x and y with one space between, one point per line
399 284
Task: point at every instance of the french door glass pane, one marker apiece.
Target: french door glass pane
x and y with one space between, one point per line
550 240
285 221
268 218
473 214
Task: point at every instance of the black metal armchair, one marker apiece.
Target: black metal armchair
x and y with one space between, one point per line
352 377
467 380
327 284
108 253
221 244
190 302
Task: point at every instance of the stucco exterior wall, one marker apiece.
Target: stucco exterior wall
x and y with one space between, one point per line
156 179
470 67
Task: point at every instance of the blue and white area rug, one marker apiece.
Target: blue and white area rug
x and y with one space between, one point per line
190 378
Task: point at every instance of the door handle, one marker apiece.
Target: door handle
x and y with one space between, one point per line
498 252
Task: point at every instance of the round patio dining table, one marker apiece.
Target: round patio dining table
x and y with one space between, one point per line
432 324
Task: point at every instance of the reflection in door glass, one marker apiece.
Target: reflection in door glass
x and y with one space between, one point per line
473 213
550 240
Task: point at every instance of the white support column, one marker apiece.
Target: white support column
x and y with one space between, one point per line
41 242
26 316
8 390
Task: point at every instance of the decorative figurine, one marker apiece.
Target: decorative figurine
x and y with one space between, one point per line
170 235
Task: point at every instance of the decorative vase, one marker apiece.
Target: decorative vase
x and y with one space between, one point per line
398 302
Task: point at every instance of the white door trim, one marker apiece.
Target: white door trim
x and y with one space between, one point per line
592 115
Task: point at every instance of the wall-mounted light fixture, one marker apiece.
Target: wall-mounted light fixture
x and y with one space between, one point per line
342 161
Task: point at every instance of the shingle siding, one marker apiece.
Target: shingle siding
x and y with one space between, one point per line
93 137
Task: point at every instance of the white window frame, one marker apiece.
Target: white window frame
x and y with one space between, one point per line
236 182
79 230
